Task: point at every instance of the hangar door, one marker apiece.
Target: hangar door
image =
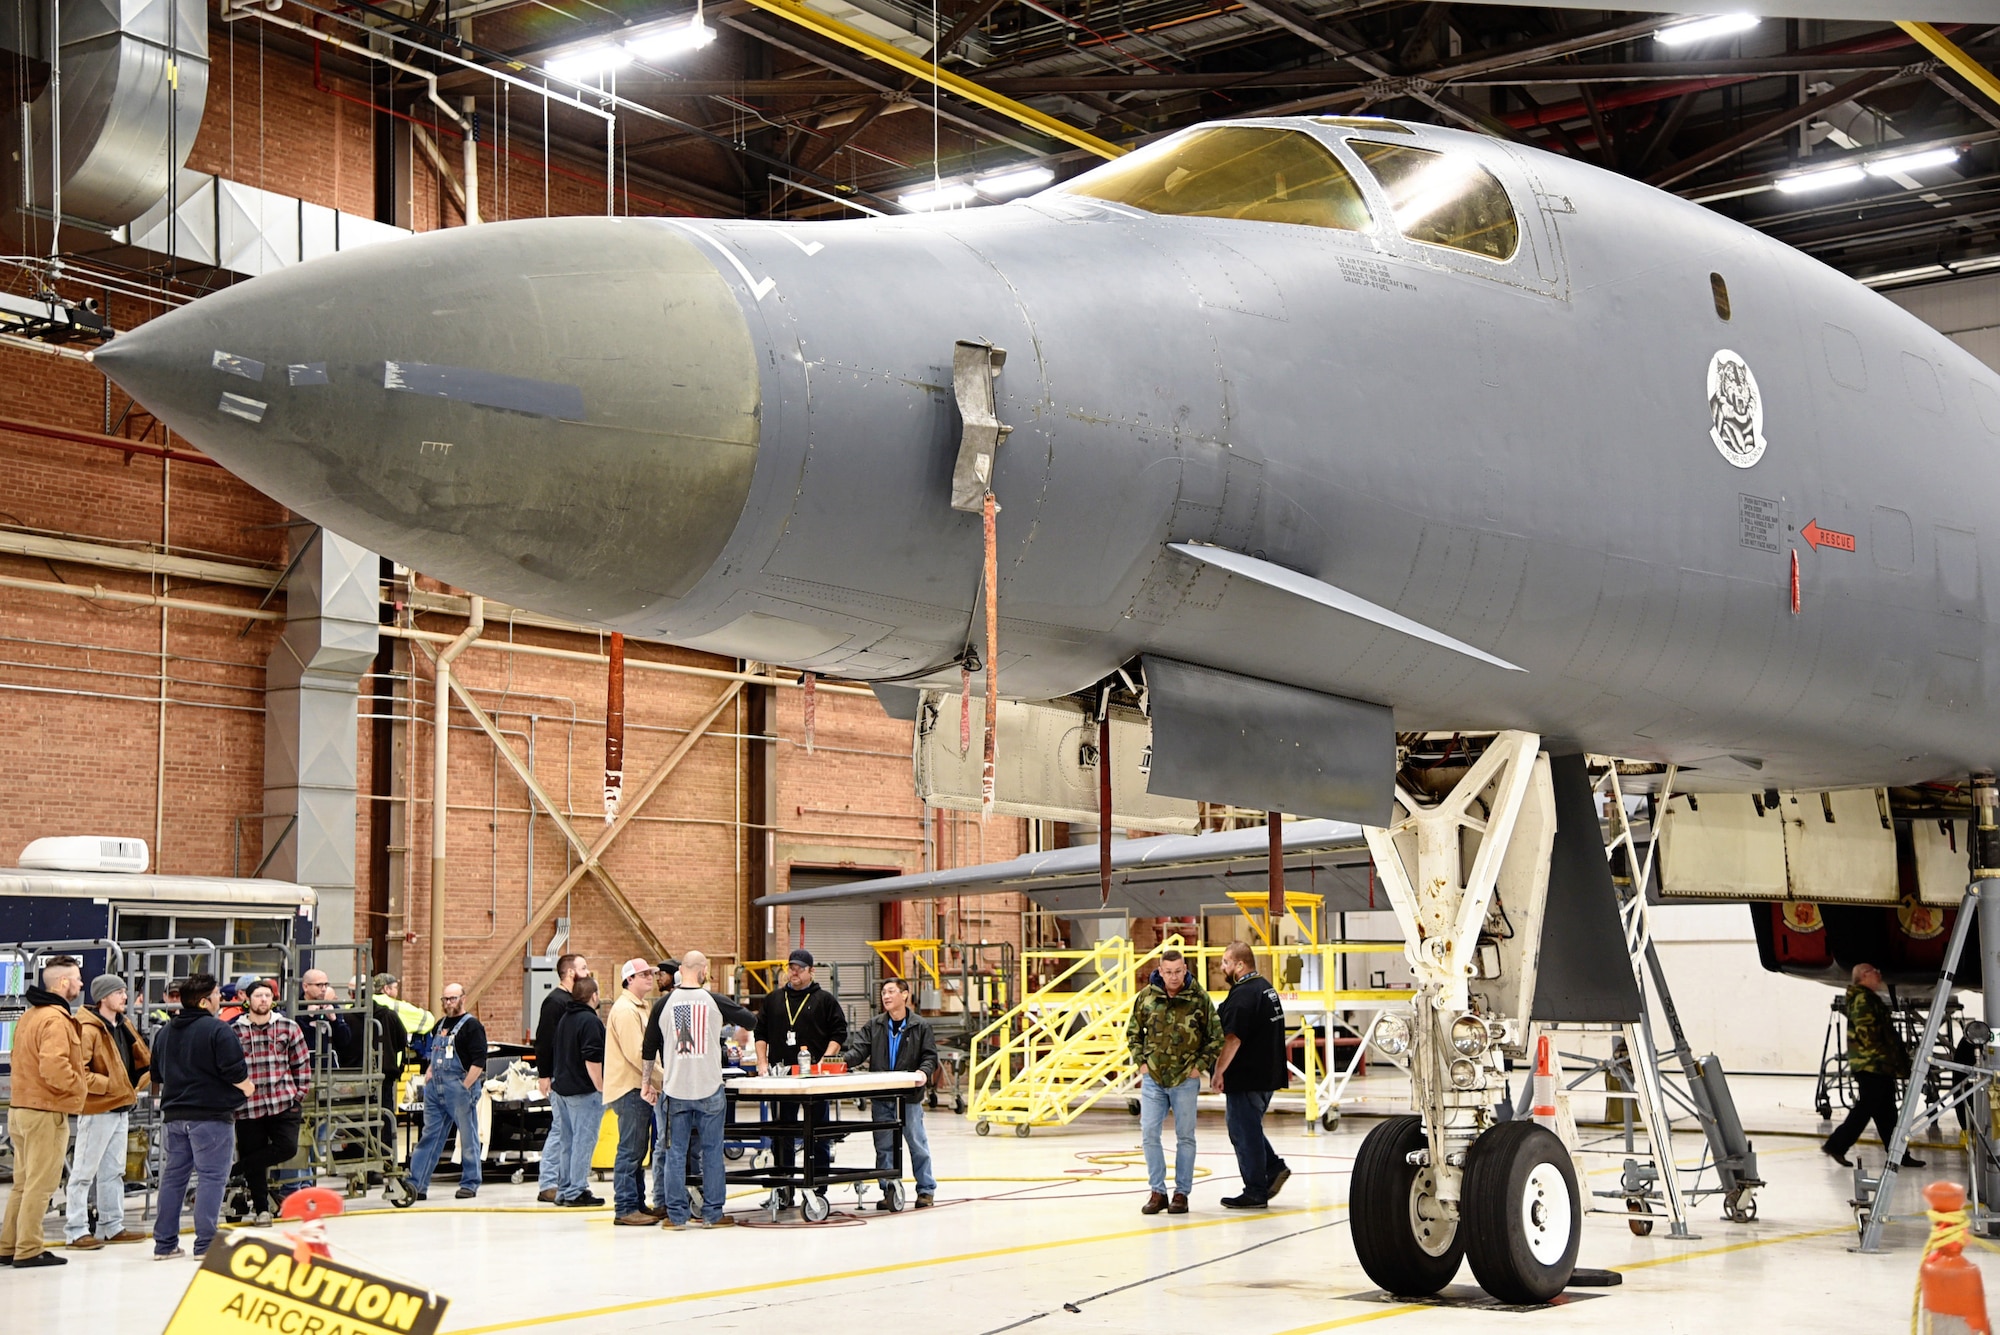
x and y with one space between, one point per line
838 937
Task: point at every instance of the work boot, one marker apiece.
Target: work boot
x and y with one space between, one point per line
86 1243
548 1197
1244 1202
465 1193
727 1221
37 1260
925 1200
657 1211
637 1219
1840 1159
1180 1203
1154 1203
1278 1180
1910 1161
127 1235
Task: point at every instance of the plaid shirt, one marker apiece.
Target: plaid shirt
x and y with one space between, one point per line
280 1064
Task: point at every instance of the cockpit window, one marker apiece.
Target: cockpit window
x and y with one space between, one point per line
1253 172
1444 199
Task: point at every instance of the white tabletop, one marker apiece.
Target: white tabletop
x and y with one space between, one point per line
855 1082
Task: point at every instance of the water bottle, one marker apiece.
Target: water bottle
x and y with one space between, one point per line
805 1061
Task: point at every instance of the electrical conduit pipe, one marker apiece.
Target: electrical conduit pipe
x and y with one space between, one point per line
440 779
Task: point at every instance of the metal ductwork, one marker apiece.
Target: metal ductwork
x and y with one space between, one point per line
130 80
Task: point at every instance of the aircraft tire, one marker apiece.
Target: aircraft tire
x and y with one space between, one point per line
1406 1253
1521 1214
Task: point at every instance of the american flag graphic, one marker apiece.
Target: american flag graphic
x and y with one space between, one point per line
690 1029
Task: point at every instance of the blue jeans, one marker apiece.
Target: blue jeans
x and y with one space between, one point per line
628 1171
552 1150
447 1103
577 1116
692 1122
915 1141
1154 1101
203 1151
99 1155
1256 1161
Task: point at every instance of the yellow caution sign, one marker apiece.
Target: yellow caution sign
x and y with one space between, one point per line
252 1282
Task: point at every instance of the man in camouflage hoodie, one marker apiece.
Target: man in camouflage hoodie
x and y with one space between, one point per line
1174 1035
1877 1059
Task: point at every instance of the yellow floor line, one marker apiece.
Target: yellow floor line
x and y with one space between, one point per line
1382 1315
1733 1247
897 1267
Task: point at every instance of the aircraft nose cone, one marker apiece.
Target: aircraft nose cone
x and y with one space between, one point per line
562 413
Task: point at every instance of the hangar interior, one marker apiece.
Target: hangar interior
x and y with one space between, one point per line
275 748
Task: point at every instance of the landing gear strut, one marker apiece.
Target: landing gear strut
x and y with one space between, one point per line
1468 877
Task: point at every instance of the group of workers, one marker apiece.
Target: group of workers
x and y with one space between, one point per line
229 1094
654 1059
231 1085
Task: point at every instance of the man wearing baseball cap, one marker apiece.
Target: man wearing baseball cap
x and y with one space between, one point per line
119 1055
624 1079
801 1021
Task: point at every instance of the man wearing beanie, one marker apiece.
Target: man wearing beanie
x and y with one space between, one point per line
117 1053
51 1079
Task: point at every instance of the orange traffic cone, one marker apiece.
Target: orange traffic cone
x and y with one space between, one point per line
1545 1086
1951 1298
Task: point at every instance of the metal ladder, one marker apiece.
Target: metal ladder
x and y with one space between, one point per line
1874 1197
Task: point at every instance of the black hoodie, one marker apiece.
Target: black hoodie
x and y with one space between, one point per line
197 1065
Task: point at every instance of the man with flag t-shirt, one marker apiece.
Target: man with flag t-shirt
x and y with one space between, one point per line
688 1079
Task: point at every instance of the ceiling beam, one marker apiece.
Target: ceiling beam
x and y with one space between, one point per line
833 30
1770 126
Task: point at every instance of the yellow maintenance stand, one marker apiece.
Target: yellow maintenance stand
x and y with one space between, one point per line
1062 1049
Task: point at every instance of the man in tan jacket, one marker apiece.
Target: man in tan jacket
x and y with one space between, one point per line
624 1076
51 1080
119 1055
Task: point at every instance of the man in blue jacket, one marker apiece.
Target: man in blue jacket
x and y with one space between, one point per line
899 1039
201 1079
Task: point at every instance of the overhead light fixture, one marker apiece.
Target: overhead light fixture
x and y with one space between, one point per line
1820 180
1014 182
1701 30
949 194
591 62
672 41
1910 162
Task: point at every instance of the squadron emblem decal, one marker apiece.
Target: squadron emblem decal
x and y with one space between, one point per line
1735 409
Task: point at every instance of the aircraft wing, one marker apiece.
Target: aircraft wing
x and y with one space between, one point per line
1172 875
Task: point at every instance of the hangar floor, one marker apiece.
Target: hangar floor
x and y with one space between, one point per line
1024 1227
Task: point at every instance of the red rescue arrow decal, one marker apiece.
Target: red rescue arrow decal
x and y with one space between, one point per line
1817 537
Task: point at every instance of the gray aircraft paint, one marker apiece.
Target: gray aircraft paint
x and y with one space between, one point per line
1517 455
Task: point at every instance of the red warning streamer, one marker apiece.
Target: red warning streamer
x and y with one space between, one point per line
1795 581
812 709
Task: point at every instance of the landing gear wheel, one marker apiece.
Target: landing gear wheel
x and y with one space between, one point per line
893 1194
1402 1235
1021 1131
1522 1217
1329 1119
1642 1224
816 1207
983 1127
